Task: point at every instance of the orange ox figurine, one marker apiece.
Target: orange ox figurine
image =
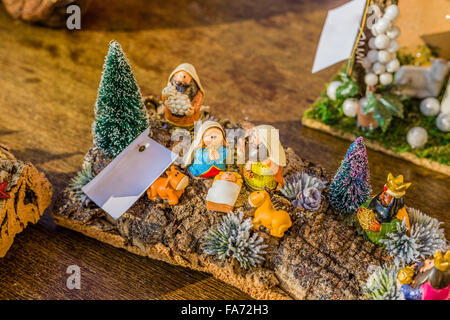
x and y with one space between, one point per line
277 221
170 188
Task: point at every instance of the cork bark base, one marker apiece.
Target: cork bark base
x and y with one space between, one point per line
30 194
408 156
319 257
247 284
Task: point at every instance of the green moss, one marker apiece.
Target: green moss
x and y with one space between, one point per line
437 148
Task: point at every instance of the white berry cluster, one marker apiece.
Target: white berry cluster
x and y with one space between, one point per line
381 60
177 102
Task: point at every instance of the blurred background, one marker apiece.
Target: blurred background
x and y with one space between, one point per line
254 59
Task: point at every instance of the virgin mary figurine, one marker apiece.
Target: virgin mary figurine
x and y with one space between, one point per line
208 153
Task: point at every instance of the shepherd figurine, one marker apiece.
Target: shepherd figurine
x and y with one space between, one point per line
183 96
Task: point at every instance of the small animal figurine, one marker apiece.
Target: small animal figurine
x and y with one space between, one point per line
183 96
224 192
379 216
267 159
422 82
277 221
427 281
170 188
208 153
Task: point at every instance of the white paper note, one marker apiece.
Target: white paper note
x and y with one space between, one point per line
339 34
118 186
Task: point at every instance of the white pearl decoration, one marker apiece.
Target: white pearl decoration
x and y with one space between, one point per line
378 68
391 12
393 46
350 107
371 79
386 78
430 107
374 31
417 137
384 56
393 65
443 122
332 87
382 25
382 41
381 61
393 33
372 55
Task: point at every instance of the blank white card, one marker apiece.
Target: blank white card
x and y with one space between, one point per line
118 186
339 34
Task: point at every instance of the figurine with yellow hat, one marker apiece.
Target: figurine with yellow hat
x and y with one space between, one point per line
380 215
427 281
183 96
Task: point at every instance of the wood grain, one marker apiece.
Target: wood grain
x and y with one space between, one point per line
254 59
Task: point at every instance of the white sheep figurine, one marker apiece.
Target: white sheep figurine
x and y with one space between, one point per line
422 82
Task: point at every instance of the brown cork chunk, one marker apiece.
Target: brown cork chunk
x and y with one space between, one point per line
30 194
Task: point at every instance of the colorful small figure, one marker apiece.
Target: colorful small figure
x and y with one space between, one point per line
406 277
380 215
224 192
432 281
183 96
267 159
170 188
277 221
208 153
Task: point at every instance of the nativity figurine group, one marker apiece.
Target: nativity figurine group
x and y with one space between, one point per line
208 156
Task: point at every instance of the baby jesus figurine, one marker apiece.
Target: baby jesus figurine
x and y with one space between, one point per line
224 192
267 159
207 155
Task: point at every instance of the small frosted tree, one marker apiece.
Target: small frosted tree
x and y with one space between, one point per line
350 187
120 113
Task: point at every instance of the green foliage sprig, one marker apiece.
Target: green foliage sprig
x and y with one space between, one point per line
232 237
426 236
83 177
382 284
384 108
348 89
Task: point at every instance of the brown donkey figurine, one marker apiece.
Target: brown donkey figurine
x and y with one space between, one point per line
277 221
170 188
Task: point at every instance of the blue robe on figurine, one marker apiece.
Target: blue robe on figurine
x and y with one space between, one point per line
202 166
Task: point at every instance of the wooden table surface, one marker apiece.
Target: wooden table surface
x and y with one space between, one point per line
253 57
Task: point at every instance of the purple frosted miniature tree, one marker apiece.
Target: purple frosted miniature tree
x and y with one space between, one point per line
350 187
